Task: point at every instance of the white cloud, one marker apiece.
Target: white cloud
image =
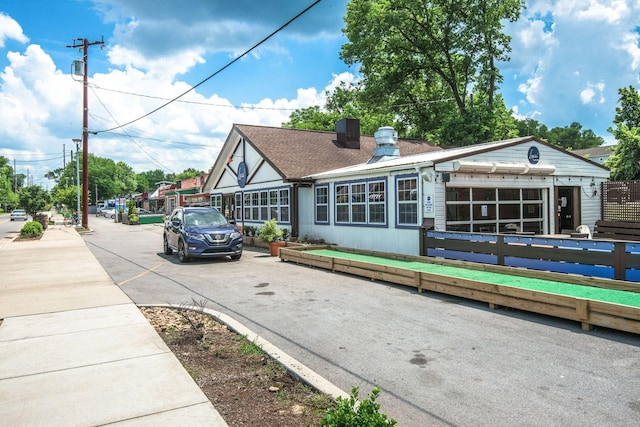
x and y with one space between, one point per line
42 107
593 94
10 30
631 45
571 58
531 89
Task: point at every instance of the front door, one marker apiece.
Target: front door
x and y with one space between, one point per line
227 206
568 209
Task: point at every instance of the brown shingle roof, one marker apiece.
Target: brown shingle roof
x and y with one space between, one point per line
297 153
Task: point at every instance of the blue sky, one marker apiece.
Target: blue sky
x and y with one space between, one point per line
569 59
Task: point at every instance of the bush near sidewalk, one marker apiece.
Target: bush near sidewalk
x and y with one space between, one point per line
31 230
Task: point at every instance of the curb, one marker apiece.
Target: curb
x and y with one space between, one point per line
293 366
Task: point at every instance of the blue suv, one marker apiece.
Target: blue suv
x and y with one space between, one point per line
201 232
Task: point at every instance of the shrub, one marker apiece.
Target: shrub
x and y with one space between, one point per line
350 413
269 232
31 229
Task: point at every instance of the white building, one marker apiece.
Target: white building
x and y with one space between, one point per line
384 196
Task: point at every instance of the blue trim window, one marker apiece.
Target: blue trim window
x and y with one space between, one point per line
263 205
283 205
216 201
407 199
377 202
238 213
322 204
361 203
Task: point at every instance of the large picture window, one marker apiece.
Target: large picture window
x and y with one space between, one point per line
361 203
263 205
495 210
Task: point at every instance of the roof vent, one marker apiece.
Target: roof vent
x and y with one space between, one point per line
386 135
386 138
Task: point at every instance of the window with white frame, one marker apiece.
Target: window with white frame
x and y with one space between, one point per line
283 205
407 201
216 201
342 204
322 204
238 197
377 202
495 210
263 205
362 202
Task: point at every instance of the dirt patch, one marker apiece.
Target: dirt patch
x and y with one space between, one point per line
241 381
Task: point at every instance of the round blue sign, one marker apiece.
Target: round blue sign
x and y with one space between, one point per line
242 174
533 155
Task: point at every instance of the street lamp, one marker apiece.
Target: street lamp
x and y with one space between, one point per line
77 141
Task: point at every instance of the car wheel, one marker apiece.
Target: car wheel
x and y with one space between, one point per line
167 249
236 257
182 253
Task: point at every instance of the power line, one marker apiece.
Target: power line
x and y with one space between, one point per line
39 160
210 104
142 150
219 70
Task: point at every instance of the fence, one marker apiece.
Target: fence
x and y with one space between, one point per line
607 259
620 200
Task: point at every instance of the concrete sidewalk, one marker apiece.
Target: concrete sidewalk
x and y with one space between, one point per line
75 350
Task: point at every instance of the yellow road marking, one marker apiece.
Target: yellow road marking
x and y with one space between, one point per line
142 274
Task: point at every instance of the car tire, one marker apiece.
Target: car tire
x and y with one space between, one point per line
167 249
236 257
182 252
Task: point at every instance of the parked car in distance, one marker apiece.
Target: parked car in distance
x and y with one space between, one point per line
196 232
109 213
18 214
143 211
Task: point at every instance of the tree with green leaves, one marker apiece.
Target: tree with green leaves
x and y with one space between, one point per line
344 101
147 180
433 62
188 174
66 196
625 160
8 199
33 199
126 180
571 137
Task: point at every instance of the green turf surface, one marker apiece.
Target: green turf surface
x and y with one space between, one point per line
560 288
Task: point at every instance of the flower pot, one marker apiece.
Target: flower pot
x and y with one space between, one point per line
274 246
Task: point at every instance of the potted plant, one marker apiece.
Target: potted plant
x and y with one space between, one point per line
269 232
131 216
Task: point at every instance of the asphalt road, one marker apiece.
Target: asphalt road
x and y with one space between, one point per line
9 229
439 360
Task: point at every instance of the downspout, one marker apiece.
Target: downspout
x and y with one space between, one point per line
295 211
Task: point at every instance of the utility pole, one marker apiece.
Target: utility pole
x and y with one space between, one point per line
84 44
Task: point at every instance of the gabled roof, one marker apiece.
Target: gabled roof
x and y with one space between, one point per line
296 153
